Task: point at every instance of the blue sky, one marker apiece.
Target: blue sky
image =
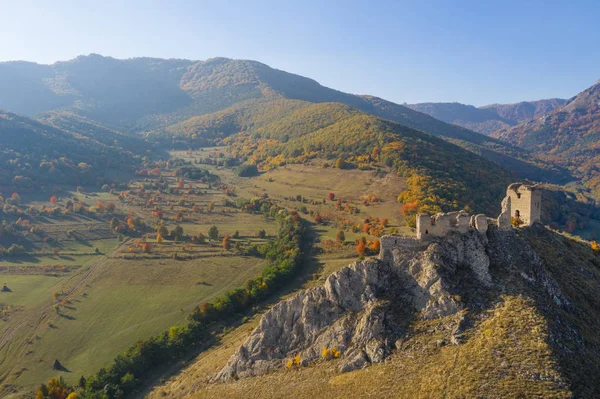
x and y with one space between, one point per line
475 52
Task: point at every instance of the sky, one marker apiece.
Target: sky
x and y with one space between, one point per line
474 52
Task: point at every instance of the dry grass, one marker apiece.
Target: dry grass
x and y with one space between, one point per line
506 356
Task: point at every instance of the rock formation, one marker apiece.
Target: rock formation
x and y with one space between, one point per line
364 308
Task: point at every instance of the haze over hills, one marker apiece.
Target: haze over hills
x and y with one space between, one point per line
490 118
147 94
570 133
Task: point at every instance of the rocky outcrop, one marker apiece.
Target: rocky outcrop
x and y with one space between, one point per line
365 307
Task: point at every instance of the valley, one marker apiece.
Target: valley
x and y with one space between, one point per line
151 222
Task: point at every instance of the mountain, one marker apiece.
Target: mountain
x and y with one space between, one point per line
490 118
83 127
34 154
148 94
569 135
525 110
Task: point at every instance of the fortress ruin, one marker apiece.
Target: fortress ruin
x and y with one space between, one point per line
522 205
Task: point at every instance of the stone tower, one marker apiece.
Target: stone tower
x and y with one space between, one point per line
525 203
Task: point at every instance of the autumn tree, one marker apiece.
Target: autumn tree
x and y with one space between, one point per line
226 243
146 247
340 236
361 248
53 199
375 246
159 239
331 196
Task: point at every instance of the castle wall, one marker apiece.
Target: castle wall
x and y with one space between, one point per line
442 224
392 243
527 201
521 198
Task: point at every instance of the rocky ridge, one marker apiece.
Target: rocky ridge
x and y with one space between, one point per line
365 309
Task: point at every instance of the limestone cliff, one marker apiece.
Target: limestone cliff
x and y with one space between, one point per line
363 309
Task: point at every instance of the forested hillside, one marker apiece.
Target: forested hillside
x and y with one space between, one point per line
490 118
33 154
147 94
569 135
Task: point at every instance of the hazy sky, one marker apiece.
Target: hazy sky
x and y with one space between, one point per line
476 52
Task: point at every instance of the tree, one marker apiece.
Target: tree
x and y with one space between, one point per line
376 245
57 388
162 230
106 188
247 171
236 234
53 199
226 243
595 246
213 232
262 233
146 247
82 382
340 236
361 248
114 223
177 233
331 196
159 239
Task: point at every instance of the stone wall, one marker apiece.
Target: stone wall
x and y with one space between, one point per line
442 224
525 202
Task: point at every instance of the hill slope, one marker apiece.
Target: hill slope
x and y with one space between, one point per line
570 134
33 154
145 94
510 316
490 118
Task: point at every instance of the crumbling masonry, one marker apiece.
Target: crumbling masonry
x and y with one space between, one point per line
521 204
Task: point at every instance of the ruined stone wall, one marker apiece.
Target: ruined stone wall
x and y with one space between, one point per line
442 224
392 243
525 201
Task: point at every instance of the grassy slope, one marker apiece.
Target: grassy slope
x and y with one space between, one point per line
124 302
502 358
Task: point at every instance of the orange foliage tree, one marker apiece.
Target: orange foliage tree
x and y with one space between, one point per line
361 248
226 243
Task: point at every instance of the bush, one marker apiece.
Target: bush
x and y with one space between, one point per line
247 171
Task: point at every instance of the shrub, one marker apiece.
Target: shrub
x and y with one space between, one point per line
247 171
